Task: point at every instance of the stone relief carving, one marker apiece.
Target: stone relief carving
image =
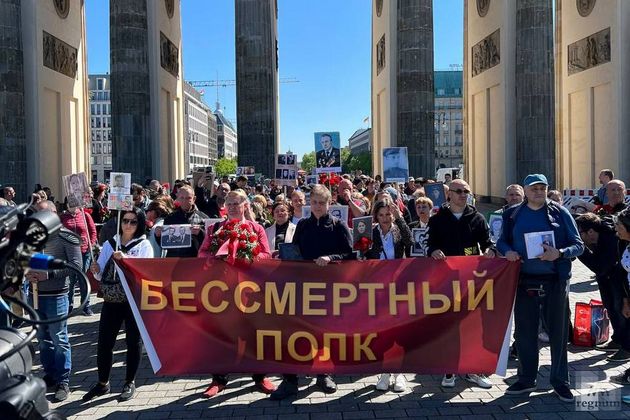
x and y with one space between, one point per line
62 7
170 8
379 7
486 53
585 7
589 52
169 55
482 7
59 56
380 55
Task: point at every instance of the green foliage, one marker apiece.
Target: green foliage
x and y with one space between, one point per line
225 166
345 158
349 162
361 161
308 162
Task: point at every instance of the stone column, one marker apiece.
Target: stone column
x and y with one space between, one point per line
257 84
12 123
535 103
593 63
415 96
132 148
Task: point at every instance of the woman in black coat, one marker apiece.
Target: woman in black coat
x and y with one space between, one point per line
391 236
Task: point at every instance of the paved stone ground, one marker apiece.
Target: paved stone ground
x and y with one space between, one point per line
169 397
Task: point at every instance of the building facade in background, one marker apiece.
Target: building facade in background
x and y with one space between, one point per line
227 141
100 127
213 152
360 141
196 133
448 122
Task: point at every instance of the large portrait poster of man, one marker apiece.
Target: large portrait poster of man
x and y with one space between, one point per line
77 190
327 152
395 164
120 183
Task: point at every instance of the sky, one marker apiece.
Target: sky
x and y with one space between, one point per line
325 44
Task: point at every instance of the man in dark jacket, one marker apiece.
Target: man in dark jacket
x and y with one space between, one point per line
458 229
211 204
186 214
53 286
322 239
601 257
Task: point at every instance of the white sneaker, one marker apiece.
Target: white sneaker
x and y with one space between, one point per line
383 382
400 383
448 381
543 337
481 380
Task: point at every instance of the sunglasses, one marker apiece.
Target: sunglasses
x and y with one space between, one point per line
131 222
459 191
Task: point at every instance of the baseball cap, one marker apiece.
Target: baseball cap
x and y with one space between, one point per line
411 179
533 179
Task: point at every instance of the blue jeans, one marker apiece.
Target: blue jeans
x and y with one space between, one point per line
54 345
4 317
87 260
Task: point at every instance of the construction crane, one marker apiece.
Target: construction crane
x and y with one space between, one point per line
225 83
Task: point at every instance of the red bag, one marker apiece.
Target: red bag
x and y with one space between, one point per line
95 285
591 325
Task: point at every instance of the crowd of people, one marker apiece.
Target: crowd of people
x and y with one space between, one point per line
92 240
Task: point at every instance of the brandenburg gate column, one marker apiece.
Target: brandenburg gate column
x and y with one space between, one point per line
489 114
147 89
55 92
593 66
12 118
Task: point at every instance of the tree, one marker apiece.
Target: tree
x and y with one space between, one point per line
225 166
346 156
361 161
308 162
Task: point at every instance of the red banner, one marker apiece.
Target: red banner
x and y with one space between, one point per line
201 316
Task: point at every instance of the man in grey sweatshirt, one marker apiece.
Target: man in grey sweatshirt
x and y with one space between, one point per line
52 302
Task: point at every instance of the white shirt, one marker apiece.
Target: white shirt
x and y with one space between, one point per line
388 252
143 249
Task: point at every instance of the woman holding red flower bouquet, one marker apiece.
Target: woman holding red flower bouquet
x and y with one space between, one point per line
392 239
238 240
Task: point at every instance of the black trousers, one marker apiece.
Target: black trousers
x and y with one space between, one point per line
553 297
112 317
611 293
223 379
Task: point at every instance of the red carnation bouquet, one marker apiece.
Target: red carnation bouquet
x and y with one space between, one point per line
329 180
363 244
236 241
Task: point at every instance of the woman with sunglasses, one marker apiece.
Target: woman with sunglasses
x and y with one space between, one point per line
130 242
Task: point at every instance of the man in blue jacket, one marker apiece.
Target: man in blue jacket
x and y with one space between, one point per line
544 280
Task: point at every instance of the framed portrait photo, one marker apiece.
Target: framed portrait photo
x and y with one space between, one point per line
176 236
420 245
495 223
